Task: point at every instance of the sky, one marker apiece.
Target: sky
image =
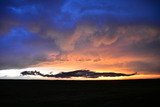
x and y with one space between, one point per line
121 36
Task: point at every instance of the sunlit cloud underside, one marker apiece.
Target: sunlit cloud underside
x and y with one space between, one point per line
119 36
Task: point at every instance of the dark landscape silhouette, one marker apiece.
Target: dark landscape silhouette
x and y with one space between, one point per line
110 93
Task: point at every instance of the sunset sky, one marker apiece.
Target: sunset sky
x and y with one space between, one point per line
120 36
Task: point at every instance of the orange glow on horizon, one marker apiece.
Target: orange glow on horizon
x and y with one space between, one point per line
134 77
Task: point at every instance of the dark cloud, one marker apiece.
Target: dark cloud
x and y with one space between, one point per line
77 73
66 14
20 48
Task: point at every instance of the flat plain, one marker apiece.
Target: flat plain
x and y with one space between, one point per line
109 93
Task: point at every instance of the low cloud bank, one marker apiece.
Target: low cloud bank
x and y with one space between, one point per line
77 73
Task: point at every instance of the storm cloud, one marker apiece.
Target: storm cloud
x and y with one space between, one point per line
119 35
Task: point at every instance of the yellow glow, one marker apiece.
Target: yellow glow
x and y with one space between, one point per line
106 78
103 62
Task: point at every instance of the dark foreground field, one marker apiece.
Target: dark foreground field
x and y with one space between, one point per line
130 93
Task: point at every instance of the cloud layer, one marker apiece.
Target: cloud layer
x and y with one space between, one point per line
106 35
77 73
